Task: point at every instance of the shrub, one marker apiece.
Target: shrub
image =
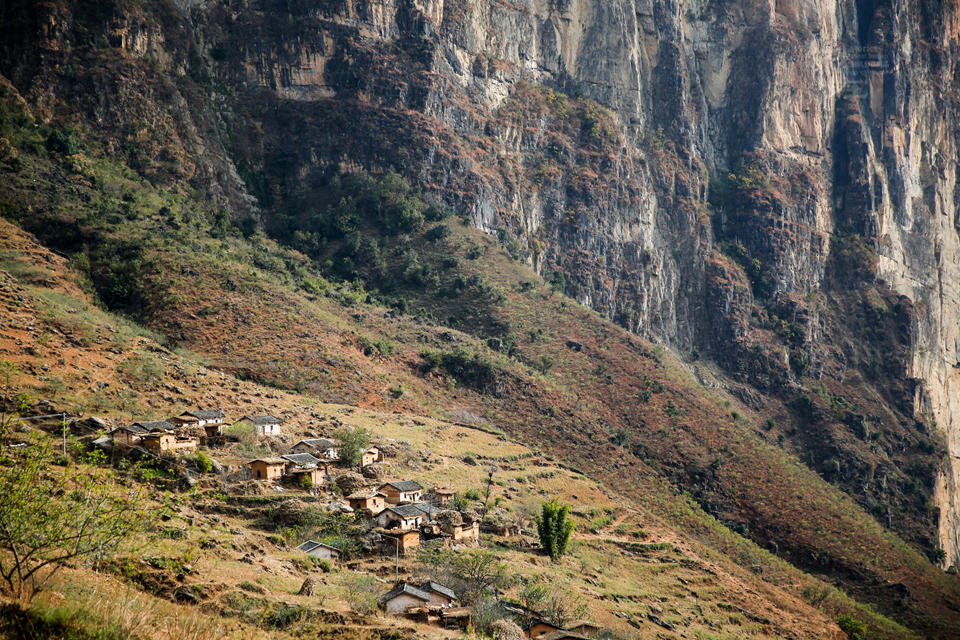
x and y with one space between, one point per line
203 462
554 527
142 368
351 443
439 232
472 369
325 566
362 592
305 482
855 629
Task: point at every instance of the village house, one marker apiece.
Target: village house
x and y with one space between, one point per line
440 596
402 491
537 628
265 425
584 627
321 447
268 469
168 442
368 501
462 532
397 541
155 425
563 634
370 456
128 436
211 420
401 516
429 510
300 465
402 598
441 496
320 550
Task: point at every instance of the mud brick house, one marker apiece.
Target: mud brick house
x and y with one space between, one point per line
265 425
402 598
368 501
463 532
370 456
398 541
129 435
210 419
321 447
320 550
168 442
300 465
402 491
401 516
441 496
440 596
268 469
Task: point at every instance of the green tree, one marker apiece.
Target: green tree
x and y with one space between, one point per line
855 629
50 516
470 573
554 526
352 443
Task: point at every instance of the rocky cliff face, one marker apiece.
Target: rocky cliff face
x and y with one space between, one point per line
720 176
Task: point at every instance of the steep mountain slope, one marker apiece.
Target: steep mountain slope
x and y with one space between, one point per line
767 189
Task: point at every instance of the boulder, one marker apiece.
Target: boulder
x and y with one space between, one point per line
448 518
309 587
373 471
349 482
290 512
185 595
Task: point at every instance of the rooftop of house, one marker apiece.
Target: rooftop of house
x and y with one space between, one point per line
318 443
406 510
267 419
405 588
364 495
301 459
204 414
404 485
269 461
155 425
428 508
310 545
561 634
133 428
436 587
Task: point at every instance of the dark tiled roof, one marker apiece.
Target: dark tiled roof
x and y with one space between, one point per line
318 443
428 508
406 510
205 414
439 588
134 428
405 485
301 459
310 545
407 589
155 425
268 419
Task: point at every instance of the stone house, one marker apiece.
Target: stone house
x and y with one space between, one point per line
320 550
266 425
374 503
402 491
268 469
463 532
441 496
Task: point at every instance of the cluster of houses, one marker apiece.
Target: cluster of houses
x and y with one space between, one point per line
180 434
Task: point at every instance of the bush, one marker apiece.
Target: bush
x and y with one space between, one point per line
439 232
472 369
203 462
305 482
142 368
63 140
325 566
351 443
855 629
362 592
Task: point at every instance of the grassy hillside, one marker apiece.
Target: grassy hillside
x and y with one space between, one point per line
470 335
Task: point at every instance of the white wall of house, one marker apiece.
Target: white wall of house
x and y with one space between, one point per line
324 553
401 603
